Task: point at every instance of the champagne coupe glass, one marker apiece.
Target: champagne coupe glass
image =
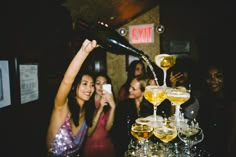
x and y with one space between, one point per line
190 135
166 133
177 97
155 95
165 61
142 133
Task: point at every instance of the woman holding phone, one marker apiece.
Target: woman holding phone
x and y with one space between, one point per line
99 144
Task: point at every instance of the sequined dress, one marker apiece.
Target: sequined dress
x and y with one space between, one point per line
64 143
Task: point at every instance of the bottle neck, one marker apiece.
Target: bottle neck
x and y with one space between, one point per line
130 49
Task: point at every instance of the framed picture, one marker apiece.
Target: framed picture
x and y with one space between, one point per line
5 90
29 82
179 47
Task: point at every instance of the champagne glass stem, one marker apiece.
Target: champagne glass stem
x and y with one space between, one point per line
164 79
155 112
145 148
187 149
177 114
167 150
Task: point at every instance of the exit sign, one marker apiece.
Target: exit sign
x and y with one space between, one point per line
141 34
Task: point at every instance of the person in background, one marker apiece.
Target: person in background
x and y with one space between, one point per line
100 143
181 75
71 115
217 111
135 68
128 111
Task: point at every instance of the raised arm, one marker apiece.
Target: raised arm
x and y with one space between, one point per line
60 109
72 71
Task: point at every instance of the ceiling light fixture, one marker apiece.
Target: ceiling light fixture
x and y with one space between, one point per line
123 31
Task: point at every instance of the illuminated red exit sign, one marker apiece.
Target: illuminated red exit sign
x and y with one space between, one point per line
141 33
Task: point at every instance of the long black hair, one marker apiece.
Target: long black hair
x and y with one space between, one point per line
88 105
131 72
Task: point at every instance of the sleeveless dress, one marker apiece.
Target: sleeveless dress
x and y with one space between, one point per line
64 143
100 143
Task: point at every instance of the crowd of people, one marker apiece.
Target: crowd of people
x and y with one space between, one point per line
89 121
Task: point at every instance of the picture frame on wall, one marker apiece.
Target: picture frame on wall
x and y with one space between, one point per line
29 82
179 47
5 87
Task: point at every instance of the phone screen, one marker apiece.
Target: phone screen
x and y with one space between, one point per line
107 87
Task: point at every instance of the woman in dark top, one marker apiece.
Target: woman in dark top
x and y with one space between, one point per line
217 112
128 111
182 74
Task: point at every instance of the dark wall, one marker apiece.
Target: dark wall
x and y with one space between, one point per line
34 32
209 26
23 130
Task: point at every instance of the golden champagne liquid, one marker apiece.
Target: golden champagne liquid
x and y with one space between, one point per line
167 62
155 95
165 133
178 95
178 99
141 132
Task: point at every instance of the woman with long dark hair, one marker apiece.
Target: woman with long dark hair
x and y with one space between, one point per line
72 115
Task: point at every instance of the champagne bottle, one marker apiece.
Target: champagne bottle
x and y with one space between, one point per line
112 41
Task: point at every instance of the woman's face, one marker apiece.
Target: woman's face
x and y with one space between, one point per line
215 80
139 69
100 80
85 88
134 90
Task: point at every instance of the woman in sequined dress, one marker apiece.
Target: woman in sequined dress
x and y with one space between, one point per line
71 118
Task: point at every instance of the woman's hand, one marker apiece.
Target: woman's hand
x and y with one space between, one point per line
174 78
88 46
107 99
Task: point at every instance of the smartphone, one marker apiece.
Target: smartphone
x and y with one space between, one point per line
107 87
